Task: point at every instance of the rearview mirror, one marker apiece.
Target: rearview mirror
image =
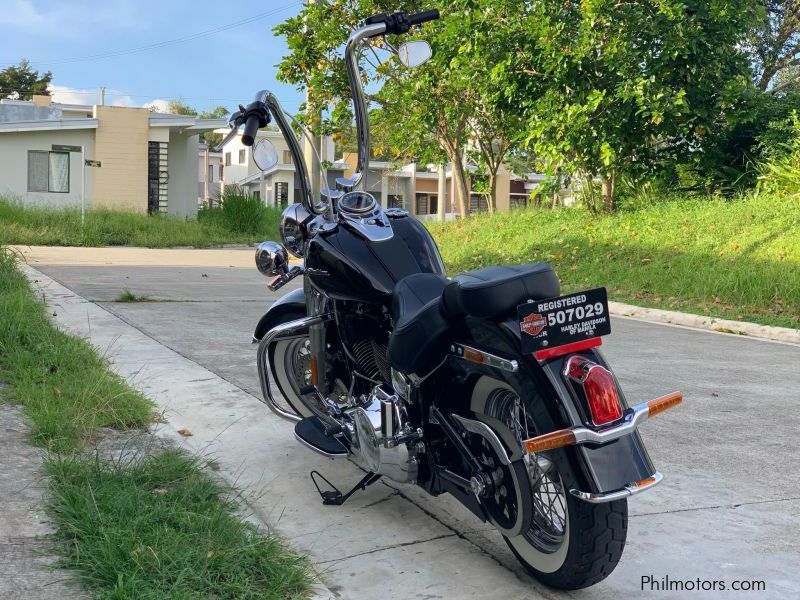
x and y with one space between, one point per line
413 54
265 155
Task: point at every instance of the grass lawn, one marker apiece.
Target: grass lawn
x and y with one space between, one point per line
161 528
156 527
47 227
737 259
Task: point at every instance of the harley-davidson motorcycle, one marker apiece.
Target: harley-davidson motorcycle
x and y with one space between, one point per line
488 385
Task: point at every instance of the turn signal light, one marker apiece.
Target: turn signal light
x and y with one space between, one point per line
550 441
663 403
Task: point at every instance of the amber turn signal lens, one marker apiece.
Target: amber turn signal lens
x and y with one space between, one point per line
550 441
663 403
643 483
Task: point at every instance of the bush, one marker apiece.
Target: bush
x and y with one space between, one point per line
239 211
780 173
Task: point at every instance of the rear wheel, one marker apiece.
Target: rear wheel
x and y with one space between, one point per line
570 543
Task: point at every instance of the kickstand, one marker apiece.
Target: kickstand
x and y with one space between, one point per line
334 496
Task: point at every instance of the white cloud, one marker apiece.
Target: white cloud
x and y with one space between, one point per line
69 95
158 105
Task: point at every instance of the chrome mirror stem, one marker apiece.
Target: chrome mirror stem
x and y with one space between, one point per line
306 198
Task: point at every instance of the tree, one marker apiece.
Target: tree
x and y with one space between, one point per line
607 86
23 81
774 43
428 115
179 107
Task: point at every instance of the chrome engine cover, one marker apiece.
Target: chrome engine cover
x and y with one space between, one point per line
376 425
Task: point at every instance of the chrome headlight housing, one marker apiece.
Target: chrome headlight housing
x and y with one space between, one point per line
294 228
271 259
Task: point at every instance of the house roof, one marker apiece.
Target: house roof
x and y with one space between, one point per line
47 125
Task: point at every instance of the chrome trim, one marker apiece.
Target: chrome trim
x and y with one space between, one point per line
317 450
306 196
631 421
488 433
290 329
492 360
351 55
629 490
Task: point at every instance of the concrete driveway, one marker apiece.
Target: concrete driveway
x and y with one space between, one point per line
728 509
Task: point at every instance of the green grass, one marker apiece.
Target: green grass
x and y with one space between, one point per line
736 259
161 528
48 227
128 296
145 527
66 388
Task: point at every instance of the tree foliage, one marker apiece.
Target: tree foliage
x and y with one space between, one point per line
24 82
774 42
610 86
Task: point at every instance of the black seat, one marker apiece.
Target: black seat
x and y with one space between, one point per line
419 326
423 304
496 291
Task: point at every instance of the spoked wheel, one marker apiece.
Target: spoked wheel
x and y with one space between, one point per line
570 543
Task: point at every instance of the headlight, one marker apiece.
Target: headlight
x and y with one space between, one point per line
271 259
293 228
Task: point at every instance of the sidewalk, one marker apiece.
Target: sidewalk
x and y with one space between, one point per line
25 530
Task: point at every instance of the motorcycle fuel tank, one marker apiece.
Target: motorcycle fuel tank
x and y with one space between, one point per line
346 265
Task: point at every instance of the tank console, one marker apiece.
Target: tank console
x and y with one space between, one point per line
361 212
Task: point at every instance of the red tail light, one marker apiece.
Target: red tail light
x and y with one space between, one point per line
599 389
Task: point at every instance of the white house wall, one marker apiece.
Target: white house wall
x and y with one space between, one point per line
182 152
14 166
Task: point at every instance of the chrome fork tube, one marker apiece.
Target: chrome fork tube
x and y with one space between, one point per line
291 329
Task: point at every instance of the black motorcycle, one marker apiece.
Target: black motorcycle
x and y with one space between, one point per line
488 386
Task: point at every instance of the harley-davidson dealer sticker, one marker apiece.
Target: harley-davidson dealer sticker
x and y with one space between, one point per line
559 321
533 324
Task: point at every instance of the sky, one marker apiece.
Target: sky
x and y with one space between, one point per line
128 47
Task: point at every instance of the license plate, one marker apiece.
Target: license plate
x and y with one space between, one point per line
563 320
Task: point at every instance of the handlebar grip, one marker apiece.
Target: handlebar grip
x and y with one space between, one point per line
422 17
250 130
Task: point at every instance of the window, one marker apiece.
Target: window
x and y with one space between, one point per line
281 193
221 172
394 201
287 157
242 156
227 159
48 171
257 194
210 173
427 204
478 203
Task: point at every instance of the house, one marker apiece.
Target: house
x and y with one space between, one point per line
277 186
131 159
210 175
416 188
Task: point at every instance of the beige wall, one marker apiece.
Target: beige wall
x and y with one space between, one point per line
121 146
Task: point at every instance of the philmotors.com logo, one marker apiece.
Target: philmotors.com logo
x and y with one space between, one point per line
533 324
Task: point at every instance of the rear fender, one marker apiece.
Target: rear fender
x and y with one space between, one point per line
293 302
548 402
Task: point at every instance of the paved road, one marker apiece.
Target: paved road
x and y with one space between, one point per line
728 509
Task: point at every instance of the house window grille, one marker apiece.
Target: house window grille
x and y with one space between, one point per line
478 203
157 177
281 193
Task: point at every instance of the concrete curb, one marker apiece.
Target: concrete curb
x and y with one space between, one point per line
655 315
